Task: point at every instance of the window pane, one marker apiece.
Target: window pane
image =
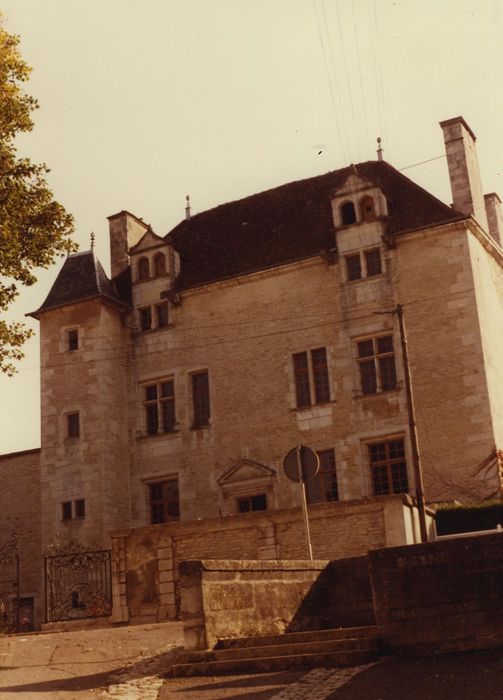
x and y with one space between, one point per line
388 373
156 492
164 501
365 348
385 344
244 505
380 480
399 477
145 319
80 508
152 420
373 262
159 265
301 372
143 269
324 486
396 449
151 392
73 425
167 388
259 502
201 399
320 374
377 452
73 340
354 267
66 510
162 315
168 415
368 377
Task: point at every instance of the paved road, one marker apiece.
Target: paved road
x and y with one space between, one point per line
105 662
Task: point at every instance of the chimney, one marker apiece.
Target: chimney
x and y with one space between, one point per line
494 216
464 172
125 231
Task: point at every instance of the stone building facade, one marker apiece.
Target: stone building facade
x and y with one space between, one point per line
173 389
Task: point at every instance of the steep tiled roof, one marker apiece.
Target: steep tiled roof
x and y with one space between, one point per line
290 222
81 277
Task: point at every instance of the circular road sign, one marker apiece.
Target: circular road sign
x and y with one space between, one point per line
301 464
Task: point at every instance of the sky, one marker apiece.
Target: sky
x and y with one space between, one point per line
142 103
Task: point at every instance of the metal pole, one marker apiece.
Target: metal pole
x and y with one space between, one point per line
304 503
416 460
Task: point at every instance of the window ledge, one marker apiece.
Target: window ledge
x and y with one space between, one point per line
140 435
200 427
387 392
364 279
157 329
296 409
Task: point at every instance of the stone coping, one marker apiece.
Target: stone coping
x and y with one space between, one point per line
193 565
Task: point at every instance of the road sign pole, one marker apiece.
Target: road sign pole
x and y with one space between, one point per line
304 503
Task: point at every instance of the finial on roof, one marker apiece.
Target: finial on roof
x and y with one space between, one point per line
92 240
187 207
379 149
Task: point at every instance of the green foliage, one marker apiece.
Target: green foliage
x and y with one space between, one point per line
458 518
34 228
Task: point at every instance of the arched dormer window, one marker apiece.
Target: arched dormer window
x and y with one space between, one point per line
367 208
348 213
159 265
143 269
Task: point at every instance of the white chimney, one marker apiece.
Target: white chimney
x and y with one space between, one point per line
464 171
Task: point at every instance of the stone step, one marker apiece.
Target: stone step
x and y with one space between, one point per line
273 663
296 637
327 645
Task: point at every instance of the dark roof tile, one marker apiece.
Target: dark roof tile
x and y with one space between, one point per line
290 222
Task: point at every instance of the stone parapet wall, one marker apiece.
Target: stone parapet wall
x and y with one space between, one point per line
440 596
146 560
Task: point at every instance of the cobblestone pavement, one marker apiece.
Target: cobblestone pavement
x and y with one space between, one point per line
319 683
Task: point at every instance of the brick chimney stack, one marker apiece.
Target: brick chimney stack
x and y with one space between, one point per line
464 173
125 231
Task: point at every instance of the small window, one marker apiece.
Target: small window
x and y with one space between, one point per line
145 318
159 406
80 508
311 377
159 265
376 362
251 504
72 339
373 262
354 267
73 425
324 485
164 501
162 315
388 467
201 399
348 213
368 209
66 510
143 269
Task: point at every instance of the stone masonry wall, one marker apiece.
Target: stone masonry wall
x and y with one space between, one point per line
20 514
146 560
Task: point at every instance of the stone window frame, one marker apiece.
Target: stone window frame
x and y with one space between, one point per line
312 378
200 419
160 401
252 499
146 483
328 468
362 268
376 357
389 460
64 340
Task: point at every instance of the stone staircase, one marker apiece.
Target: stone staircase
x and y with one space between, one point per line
347 646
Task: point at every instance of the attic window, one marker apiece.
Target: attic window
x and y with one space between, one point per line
368 209
159 265
348 213
143 269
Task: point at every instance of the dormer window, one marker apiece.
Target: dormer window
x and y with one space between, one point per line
159 265
367 209
143 269
348 213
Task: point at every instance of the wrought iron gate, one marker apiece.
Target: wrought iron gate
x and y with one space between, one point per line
9 587
78 585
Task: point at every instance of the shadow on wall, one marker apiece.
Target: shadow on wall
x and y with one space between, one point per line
341 596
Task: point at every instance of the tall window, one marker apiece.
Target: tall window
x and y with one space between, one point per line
354 267
348 213
164 501
159 407
324 485
355 270
73 425
376 361
72 339
145 318
373 262
143 269
311 377
159 265
367 209
162 314
388 467
201 399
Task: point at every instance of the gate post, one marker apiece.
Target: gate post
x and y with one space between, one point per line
120 610
165 562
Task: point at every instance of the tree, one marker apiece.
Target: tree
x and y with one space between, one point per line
34 228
